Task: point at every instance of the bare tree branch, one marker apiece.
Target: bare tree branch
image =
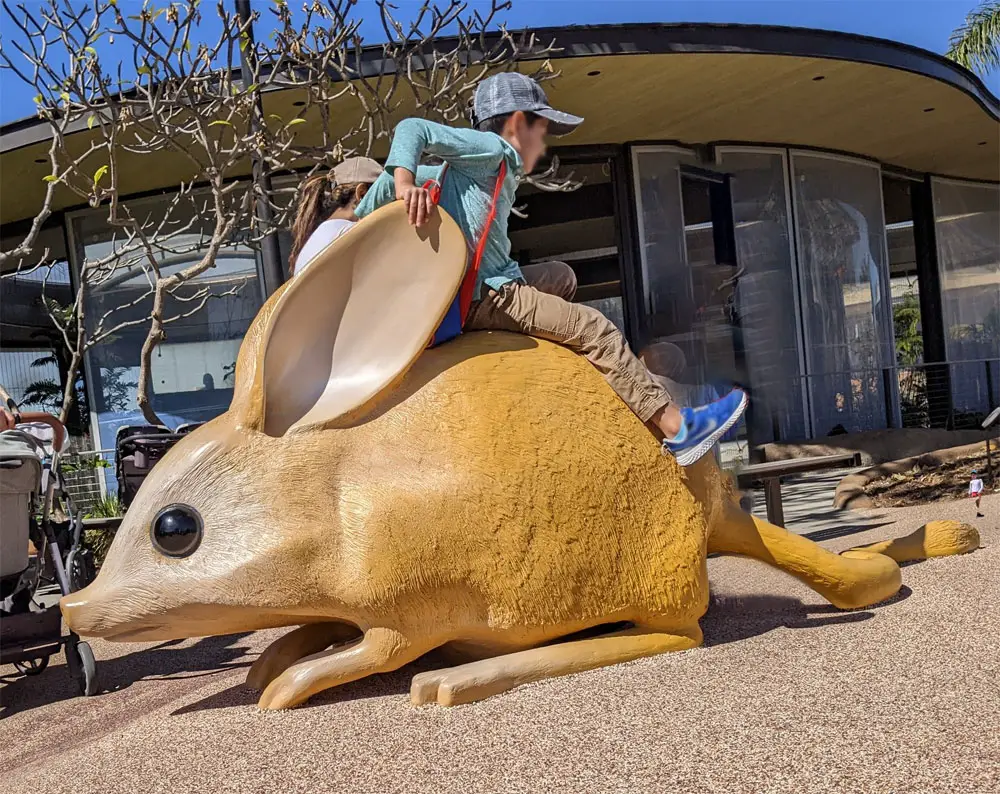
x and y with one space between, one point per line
203 105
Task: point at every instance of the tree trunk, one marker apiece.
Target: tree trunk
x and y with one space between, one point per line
69 388
153 338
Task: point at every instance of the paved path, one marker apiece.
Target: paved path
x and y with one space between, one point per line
787 695
808 502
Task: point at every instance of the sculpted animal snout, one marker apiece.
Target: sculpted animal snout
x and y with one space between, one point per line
98 610
96 613
78 611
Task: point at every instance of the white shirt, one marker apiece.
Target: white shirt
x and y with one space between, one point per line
325 233
975 487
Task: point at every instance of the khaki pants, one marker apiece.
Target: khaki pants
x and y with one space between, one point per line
542 308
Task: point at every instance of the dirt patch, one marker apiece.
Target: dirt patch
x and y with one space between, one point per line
924 483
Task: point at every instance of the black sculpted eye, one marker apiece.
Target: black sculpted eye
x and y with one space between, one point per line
176 530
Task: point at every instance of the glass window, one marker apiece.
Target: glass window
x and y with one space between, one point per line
967 223
666 280
192 369
611 308
903 278
689 284
578 228
31 377
50 246
847 324
904 285
28 337
24 319
767 282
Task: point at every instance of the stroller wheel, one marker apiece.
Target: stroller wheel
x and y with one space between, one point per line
82 665
32 666
80 568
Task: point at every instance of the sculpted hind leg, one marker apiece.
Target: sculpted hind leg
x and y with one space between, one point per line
848 582
479 680
379 651
288 649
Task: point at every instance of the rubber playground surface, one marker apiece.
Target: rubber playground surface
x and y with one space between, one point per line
787 695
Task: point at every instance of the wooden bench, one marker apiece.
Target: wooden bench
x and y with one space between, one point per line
769 475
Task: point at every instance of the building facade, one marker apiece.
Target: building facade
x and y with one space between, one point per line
812 216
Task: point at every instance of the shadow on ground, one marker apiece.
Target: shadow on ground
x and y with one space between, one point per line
208 656
736 618
832 533
729 619
375 686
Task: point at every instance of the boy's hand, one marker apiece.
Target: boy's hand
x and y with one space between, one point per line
417 199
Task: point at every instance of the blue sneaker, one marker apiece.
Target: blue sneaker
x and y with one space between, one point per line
704 426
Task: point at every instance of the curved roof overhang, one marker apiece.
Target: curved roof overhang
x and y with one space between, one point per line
694 84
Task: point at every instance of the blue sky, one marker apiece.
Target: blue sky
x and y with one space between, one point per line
923 23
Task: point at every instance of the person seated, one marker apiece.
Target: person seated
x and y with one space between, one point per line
327 202
476 186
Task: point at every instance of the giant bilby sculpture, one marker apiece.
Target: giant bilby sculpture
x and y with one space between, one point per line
362 489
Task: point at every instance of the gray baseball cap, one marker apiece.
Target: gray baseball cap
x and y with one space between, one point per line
508 92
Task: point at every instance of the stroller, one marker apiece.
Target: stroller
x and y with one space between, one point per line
137 449
41 557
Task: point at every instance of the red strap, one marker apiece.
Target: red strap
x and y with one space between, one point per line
434 185
468 289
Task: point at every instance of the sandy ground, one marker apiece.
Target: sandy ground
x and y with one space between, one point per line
788 695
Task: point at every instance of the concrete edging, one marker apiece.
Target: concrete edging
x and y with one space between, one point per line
850 491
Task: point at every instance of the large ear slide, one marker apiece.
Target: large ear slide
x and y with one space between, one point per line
352 323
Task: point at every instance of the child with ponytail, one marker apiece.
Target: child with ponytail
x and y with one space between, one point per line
326 208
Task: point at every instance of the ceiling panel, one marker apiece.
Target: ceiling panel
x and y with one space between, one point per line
897 117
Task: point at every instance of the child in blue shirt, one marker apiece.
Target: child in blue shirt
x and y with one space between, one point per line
513 117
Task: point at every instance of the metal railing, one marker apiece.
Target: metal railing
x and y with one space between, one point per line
957 395
81 476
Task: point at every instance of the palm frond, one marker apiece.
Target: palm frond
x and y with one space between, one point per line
976 45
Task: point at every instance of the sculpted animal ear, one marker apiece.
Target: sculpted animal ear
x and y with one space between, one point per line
247 404
353 322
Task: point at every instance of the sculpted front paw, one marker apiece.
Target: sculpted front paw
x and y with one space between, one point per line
284 692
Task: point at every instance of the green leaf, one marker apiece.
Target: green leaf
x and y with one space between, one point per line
50 178
37 99
295 121
64 96
91 122
274 116
219 121
976 44
144 70
99 173
91 50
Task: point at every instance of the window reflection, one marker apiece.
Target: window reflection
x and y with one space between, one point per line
841 259
765 293
193 368
967 225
